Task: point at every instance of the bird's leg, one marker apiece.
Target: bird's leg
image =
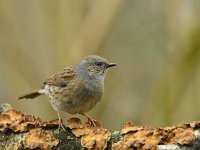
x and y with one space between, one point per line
60 122
90 120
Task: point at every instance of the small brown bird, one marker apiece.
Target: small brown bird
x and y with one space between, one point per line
75 89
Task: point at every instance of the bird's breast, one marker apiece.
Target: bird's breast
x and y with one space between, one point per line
77 97
90 92
85 97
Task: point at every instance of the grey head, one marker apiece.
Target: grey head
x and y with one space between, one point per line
93 67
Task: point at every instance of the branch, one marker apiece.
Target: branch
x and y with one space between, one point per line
21 131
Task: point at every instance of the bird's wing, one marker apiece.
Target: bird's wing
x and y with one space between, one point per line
61 79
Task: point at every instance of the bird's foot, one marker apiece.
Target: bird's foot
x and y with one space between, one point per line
60 122
61 125
91 121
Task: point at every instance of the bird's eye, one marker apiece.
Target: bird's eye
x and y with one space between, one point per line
99 64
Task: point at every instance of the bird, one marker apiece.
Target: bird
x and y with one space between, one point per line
75 89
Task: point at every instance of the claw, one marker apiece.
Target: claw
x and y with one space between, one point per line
60 122
91 120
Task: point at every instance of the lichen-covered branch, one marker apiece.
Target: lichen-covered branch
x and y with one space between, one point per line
19 131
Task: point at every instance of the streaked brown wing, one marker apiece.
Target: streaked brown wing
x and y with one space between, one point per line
61 78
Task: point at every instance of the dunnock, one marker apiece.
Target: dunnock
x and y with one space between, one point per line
75 89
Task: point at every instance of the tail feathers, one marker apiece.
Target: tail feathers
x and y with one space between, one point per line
30 95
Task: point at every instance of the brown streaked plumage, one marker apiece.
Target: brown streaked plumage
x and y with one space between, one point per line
64 76
75 89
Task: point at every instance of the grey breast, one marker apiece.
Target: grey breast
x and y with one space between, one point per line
85 98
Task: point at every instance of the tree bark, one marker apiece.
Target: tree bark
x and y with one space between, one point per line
13 141
20 131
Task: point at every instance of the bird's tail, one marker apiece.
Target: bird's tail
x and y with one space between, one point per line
30 95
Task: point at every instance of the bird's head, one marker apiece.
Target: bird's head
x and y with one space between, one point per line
94 66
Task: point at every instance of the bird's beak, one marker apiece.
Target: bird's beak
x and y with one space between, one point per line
111 65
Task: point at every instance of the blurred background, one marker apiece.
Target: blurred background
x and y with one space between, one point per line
156 45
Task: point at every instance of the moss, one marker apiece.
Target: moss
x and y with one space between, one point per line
10 140
67 139
115 137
